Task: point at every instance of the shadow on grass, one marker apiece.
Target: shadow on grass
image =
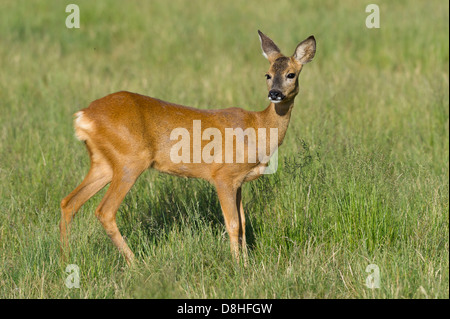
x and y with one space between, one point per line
174 204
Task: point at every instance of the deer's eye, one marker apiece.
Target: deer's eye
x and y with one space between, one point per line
291 75
268 77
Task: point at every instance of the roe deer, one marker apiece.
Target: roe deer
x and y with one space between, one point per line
126 133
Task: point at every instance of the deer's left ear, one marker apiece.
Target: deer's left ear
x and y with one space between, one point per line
306 50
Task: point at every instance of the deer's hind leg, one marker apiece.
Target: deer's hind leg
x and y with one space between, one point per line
124 177
100 174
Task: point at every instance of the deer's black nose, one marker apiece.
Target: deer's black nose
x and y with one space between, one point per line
275 95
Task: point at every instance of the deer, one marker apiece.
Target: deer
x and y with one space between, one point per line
127 133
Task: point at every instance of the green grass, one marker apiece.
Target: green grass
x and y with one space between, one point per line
363 174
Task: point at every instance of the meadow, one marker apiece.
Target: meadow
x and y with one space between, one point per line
363 176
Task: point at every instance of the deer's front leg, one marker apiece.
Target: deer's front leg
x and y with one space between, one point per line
231 213
242 240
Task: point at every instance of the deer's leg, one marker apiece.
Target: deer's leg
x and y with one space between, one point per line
228 202
242 241
98 176
122 181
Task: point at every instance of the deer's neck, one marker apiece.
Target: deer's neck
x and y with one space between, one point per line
278 116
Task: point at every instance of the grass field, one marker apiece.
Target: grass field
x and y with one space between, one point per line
363 171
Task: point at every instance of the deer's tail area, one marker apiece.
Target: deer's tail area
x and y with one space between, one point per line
83 126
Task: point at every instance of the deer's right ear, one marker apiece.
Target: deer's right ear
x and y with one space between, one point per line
269 48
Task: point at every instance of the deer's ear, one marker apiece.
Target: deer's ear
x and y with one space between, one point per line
269 48
306 50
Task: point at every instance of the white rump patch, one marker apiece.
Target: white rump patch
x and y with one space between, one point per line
82 126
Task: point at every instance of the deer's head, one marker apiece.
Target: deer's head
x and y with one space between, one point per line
282 77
